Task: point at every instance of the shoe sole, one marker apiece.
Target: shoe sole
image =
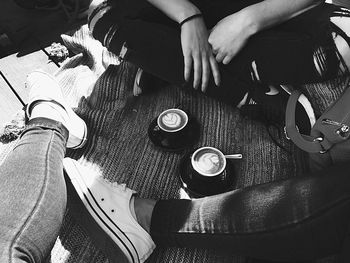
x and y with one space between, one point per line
105 223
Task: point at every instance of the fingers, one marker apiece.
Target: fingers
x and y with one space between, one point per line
197 68
200 70
227 59
223 56
205 73
188 66
202 66
215 70
220 57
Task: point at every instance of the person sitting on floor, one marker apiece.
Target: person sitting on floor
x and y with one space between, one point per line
227 49
301 218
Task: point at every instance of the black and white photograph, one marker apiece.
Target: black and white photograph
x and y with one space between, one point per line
175 131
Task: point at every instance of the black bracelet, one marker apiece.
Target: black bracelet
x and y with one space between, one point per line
189 18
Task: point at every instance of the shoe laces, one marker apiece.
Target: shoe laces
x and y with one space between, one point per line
121 187
116 185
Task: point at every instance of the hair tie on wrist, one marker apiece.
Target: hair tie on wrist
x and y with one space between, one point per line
189 18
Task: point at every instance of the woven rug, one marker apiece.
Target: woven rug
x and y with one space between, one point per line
119 149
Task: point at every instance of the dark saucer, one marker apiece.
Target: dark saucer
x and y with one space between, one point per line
182 140
197 187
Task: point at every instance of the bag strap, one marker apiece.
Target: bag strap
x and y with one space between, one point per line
305 142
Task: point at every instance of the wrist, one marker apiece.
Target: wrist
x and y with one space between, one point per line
252 25
192 17
186 13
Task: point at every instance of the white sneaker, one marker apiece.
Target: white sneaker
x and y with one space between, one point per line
109 205
44 88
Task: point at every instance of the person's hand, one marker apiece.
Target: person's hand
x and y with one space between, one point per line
198 54
229 36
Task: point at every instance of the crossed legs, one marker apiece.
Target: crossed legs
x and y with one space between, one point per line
299 51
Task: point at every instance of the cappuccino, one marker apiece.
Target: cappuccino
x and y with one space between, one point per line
208 161
172 120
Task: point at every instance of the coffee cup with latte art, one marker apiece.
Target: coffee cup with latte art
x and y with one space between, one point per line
172 120
208 162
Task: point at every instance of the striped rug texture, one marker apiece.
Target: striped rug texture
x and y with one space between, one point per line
119 149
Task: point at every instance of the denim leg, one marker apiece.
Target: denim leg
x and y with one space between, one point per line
297 219
33 193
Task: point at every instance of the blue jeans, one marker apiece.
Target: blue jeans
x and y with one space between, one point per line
296 219
33 193
302 218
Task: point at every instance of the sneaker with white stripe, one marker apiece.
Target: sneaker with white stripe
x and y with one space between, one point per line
109 205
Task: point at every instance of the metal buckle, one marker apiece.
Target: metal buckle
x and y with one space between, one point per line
285 133
123 52
320 139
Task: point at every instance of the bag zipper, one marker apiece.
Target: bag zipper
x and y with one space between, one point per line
343 128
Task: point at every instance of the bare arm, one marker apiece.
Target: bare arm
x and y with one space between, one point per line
176 10
227 38
271 12
265 14
229 35
197 52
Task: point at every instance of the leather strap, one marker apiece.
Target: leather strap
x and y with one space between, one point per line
305 142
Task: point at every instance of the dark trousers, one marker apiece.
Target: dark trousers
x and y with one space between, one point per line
283 54
301 218
296 219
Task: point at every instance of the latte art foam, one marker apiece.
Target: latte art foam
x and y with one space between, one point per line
172 120
208 162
